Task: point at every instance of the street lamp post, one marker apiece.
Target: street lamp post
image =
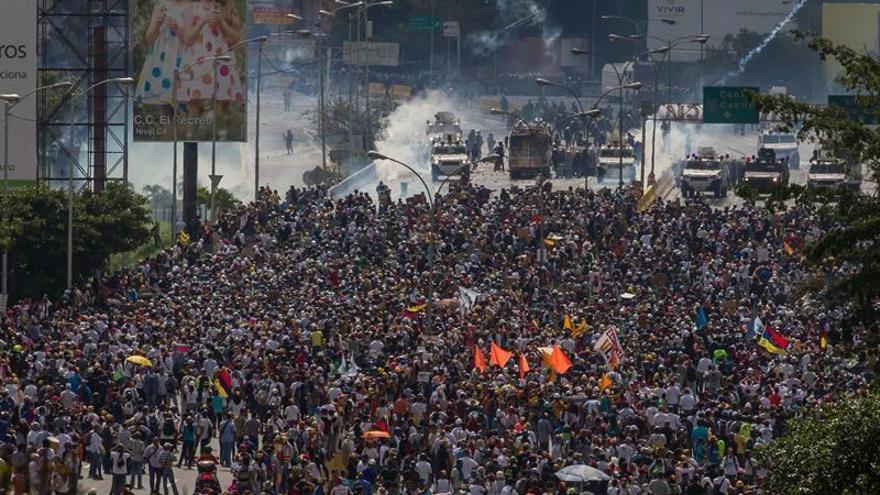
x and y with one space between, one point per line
260 41
545 82
666 51
375 155
10 101
126 81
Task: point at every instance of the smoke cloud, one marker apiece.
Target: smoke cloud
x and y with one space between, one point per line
514 14
758 49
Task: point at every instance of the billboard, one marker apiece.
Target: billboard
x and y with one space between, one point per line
856 25
271 12
674 19
182 37
371 53
18 75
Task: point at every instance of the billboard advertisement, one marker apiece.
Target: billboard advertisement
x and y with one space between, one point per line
271 12
674 19
176 45
856 25
18 75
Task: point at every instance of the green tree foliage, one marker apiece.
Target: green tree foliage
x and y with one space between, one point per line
833 450
158 196
857 242
225 200
34 229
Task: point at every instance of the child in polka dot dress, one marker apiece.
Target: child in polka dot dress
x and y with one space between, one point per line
214 27
165 34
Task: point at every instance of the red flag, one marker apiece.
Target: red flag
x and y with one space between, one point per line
498 356
559 362
523 366
479 359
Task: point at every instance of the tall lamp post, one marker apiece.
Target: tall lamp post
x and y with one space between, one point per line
122 81
260 41
375 155
9 102
666 51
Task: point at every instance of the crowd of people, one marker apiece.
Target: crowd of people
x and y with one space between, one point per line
295 339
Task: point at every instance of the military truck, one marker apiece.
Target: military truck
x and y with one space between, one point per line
766 171
705 171
828 171
784 144
616 159
529 150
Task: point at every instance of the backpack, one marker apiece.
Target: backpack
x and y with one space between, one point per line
168 429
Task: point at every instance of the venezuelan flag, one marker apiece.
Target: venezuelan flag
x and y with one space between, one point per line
773 341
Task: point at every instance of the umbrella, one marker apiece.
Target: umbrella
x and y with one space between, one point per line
581 473
139 360
376 434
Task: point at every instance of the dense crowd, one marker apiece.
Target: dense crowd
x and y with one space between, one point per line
293 335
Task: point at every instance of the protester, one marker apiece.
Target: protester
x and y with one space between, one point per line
296 335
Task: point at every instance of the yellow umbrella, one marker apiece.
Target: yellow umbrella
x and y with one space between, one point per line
139 360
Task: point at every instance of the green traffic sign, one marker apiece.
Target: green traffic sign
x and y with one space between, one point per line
729 105
854 109
423 23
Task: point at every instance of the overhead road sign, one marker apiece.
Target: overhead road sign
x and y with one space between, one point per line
423 23
854 109
729 105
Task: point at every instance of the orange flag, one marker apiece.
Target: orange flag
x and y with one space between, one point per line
604 382
559 362
523 366
498 356
479 359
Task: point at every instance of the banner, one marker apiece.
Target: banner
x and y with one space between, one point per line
182 37
18 75
674 19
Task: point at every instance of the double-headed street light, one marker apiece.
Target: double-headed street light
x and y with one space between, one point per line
9 102
540 81
375 155
666 51
260 41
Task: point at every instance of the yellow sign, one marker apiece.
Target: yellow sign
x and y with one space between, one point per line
400 92
377 90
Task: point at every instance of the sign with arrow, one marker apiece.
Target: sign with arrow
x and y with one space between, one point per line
423 23
729 105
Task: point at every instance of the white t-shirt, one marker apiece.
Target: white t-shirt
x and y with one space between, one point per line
118 462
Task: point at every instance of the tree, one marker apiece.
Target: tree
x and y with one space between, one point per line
225 200
158 196
833 450
343 119
855 241
34 229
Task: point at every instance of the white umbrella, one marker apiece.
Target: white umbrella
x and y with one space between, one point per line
581 473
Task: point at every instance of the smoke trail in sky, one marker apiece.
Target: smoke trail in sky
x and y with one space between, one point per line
758 49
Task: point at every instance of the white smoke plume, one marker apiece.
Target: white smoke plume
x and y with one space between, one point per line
763 44
685 138
514 14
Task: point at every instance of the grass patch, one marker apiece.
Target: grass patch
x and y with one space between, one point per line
121 261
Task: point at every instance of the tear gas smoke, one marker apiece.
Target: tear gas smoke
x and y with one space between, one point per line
763 44
513 14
